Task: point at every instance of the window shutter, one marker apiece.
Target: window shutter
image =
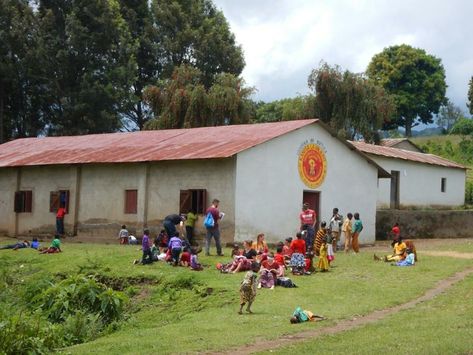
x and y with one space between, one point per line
28 201
54 201
18 201
64 198
185 201
131 201
202 201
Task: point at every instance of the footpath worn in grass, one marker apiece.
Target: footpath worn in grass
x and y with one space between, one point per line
178 310
443 325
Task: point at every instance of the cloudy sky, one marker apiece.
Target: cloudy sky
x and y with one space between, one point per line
283 40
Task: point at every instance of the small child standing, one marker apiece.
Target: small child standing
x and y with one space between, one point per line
190 224
323 260
123 235
146 248
195 265
329 243
248 288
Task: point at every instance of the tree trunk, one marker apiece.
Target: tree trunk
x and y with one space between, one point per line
408 127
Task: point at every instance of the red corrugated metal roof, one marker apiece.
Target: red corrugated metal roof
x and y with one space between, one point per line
173 144
391 142
405 155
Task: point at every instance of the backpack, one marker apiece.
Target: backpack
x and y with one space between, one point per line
209 221
285 282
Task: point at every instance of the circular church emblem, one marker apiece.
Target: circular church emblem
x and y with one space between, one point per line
312 165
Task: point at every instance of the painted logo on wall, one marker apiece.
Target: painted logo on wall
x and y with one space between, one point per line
312 165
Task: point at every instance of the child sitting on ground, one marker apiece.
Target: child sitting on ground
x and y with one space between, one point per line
279 257
409 260
185 257
35 243
248 288
161 240
195 265
55 247
286 249
236 250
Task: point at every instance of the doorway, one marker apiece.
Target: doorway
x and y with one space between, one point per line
394 190
313 199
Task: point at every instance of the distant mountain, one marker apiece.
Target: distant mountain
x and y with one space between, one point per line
429 131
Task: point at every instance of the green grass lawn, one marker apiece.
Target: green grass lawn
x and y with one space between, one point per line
443 325
178 310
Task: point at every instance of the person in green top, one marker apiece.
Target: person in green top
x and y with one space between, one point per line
357 228
55 247
190 224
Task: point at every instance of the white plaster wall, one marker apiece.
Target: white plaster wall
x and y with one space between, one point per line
7 200
269 190
102 197
420 184
217 176
41 180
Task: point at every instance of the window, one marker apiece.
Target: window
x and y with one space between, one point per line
443 185
193 200
23 201
58 199
131 201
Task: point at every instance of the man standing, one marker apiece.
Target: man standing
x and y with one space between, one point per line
170 223
346 229
61 212
213 231
308 219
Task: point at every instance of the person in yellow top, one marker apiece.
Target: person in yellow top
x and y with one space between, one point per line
398 252
346 229
260 245
190 224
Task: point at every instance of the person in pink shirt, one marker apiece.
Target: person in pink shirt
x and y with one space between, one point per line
308 218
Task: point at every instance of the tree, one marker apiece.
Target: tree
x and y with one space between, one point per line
350 103
88 58
464 127
21 86
194 32
184 102
448 115
415 79
470 96
287 109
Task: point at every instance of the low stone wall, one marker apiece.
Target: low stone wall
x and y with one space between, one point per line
425 224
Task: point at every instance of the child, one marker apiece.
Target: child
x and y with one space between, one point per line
347 231
16 246
161 240
236 250
55 247
147 257
248 288
132 240
175 245
185 258
286 249
270 271
298 249
195 265
190 224
408 261
155 252
328 243
123 235
321 233
300 316
357 228
35 243
323 260
279 257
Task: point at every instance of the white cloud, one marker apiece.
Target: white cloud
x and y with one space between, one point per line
284 40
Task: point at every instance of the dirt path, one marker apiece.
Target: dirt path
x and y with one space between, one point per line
452 254
349 324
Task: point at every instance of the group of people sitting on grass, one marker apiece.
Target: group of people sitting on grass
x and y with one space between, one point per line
55 246
404 252
175 251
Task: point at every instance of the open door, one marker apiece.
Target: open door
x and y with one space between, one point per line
394 189
313 199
